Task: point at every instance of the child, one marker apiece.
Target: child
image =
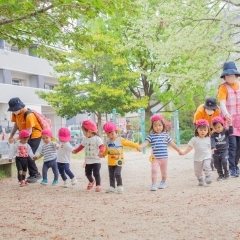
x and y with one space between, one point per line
229 99
49 152
202 155
114 150
63 157
22 150
159 140
219 145
93 146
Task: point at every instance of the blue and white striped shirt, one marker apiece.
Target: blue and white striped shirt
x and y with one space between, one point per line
159 143
49 151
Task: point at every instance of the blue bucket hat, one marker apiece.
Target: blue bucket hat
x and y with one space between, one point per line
229 68
15 104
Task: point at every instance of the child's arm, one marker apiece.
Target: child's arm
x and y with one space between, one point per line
101 151
104 153
174 146
56 145
37 157
187 150
78 149
130 144
213 143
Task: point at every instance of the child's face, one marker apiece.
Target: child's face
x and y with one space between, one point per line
24 140
230 79
218 127
112 136
202 132
157 126
46 139
86 133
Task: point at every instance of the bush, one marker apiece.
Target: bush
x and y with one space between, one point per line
186 135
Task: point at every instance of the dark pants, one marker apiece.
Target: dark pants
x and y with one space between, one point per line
34 144
21 164
50 164
221 162
115 172
93 169
234 153
64 168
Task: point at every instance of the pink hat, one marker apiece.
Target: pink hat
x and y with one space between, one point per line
90 125
218 119
24 134
109 127
156 117
64 135
201 122
47 132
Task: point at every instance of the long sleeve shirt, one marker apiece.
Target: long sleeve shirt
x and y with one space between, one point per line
19 149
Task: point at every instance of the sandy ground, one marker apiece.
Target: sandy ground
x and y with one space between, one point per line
181 211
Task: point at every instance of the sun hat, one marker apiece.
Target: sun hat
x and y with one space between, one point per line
201 122
47 132
229 68
24 134
109 127
218 119
156 117
15 104
90 125
64 134
211 103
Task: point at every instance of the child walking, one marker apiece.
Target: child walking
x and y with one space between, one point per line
64 156
114 150
202 155
93 147
49 152
22 150
219 145
159 140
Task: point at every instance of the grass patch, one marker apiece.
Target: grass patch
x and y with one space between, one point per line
2 174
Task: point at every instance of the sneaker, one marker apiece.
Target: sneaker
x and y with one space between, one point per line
237 173
90 185
74 181
232 173
208 179
154 187
32 179
110 190
55 182
22 183
66 184
162 185
38 176
44 182
200 182
26 183
98 188
120 189
220 177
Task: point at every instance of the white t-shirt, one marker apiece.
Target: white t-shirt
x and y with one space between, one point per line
202 147
64 152
91 146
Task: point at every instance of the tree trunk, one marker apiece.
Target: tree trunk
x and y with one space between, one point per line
99 124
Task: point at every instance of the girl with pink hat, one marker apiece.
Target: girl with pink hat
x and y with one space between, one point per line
93 147
159 140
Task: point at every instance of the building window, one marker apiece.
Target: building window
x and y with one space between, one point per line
49 86
18 82
14 49
33 51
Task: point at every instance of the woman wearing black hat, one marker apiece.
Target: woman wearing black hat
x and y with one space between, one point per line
30 123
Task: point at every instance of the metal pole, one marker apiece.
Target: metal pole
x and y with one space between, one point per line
114 115
142 119
176 127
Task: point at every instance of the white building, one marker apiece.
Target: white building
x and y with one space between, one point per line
21 74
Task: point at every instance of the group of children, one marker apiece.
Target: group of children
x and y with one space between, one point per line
215 145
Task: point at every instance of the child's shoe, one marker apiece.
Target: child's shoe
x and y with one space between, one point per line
162 185
237 173
26 183
208 179
74 181
200 182
227 175
44 182
98 188
90 185
120 189
154 187
55 182
220 177
66 184
22 183
110 190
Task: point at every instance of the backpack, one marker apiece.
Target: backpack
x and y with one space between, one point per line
44 122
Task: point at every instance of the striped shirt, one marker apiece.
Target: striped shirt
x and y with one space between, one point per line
159 143
49 151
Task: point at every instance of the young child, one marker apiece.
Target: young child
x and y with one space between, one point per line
22 150
93 146
219 145
159 140
202 155
64 156
114 150
49 152
229 99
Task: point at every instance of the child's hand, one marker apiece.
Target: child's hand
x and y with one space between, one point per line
57 146
229 121
139 148
10 160
74 152
213 150
35 158
180 152
100 154
84 164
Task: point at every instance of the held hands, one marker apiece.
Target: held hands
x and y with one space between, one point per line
12 140
180 152
228 118
213 150
229 121
100 154
35 158
74 152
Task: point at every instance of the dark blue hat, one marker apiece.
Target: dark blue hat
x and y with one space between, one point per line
211 103
15 104
229 68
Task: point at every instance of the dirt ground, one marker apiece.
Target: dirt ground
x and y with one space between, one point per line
181 211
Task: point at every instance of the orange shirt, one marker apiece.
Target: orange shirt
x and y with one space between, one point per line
30 122
223 93
201 114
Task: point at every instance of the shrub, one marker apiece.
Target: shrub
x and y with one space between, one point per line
186 135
